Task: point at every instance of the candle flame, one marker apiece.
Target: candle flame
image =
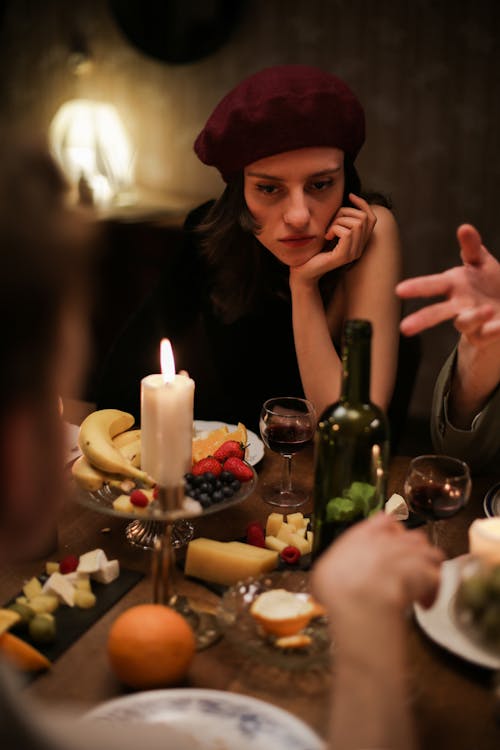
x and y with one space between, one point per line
167 361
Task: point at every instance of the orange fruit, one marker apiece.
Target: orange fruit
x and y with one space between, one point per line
21 654
283 613
206 446
150 645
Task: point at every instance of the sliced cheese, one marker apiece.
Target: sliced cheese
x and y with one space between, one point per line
123 505
62 588
108 573
286 533
226 563
296 520
273 523
92 561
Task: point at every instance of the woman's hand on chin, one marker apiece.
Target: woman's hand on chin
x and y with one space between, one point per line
353 228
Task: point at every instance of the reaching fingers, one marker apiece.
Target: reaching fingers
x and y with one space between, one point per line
469 240
425 286
470 321
428 317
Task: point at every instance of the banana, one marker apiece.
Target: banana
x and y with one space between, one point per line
129 445
87 476
96 442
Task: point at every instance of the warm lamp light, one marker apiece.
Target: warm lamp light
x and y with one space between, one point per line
91 145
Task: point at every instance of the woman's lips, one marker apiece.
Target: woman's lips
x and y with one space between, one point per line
296 241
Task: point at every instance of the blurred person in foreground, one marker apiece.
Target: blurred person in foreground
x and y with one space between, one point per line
466 403
377 568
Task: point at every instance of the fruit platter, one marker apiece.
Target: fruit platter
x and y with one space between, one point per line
108 475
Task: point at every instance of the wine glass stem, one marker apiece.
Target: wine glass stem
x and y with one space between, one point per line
286 475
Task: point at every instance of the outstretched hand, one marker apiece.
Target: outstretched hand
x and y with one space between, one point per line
472 293
353 228
377 565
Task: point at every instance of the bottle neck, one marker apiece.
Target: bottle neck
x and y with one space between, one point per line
356 365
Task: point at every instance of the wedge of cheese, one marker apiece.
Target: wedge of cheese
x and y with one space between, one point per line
227 562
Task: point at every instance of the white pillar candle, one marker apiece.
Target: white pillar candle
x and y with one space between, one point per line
167 422
484 540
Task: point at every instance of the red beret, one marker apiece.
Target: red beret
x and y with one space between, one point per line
280 109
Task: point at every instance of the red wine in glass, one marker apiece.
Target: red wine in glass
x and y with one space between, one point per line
287 425
437 487
288 440
435 500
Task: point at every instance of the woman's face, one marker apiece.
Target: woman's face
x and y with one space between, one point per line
293 197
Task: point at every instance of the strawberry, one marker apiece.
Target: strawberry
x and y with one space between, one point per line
290 555
239 468
139 499
207 464
228 449
68 564
255 534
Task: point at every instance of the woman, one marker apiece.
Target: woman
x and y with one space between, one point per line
268 273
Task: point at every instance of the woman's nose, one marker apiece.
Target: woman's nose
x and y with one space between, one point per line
296 213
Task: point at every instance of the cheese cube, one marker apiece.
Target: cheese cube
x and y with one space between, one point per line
51 567
58 584
227 562
296 520
92 561
82 584
32 588
85 599
108 573
286 533
273 523
44 603
8 618
274 543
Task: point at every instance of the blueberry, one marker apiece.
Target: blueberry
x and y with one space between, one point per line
205 499
197 481
196 494
228 491
226 477
209 476
217 484
218 496
204 487
188 489
235 484
189 477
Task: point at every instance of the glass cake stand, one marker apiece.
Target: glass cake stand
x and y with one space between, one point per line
159 524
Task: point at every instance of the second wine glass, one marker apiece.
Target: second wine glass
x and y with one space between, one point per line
287 426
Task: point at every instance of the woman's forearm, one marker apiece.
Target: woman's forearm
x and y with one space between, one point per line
319 364
477 374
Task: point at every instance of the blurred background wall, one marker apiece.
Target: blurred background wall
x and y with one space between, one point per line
427 72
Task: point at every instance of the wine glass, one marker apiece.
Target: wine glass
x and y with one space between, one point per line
287 426
437 487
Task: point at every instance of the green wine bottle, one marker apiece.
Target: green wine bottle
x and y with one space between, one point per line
351 446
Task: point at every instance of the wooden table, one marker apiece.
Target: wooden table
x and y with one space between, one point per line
452 699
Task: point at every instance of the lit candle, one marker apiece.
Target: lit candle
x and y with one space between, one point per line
484 540
167 422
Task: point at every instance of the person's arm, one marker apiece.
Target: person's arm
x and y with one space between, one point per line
472 301
366 579
368 288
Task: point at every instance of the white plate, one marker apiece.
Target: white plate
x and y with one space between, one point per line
491 503
212 720
440 622
255 448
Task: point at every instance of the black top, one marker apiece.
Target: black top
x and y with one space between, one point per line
236 366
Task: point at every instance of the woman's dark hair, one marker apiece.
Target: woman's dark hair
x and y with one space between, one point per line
241 273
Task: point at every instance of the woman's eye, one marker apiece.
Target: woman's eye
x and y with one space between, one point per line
267 189
320 185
